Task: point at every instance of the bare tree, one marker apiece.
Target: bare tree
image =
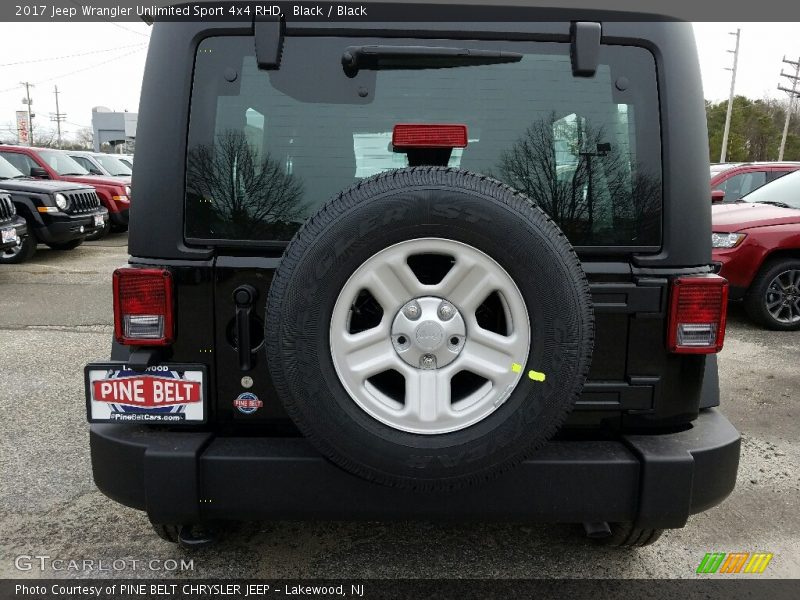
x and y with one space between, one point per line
598 196
85 137
242 194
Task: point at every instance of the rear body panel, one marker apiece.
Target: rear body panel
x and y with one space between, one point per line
632 373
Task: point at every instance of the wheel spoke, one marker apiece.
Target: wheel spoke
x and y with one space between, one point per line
393 284
467 284
488 354
366 356
772 304
428 395
795 309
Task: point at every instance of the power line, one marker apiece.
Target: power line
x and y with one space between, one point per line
38 60
78 4
105 62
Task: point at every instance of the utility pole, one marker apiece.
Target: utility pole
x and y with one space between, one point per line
27 100
58 117
793 93
735 53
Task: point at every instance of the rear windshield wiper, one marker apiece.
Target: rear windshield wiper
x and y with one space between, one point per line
420 57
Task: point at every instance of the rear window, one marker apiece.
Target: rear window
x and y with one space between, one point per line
267 148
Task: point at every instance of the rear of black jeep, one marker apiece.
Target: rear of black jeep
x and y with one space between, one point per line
459 272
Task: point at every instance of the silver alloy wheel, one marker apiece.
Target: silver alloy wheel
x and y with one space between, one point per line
429 334
782 299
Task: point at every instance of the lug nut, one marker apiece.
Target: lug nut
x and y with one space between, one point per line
412 310
446 311
428 361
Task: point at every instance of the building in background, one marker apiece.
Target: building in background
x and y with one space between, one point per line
118 129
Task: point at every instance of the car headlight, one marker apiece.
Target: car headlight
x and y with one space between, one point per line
128 191
61 201
726 240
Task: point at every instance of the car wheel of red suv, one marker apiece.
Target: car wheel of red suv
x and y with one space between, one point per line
773 299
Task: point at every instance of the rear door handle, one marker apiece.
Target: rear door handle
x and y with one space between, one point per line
244 297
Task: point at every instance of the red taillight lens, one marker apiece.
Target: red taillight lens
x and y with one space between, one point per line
409 135
143 307
697 312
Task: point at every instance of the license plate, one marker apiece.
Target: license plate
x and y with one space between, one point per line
9 235
99 221
169 394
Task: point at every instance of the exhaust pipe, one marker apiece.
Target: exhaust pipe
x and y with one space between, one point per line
598 530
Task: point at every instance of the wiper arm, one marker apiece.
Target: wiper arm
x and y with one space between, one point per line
420 57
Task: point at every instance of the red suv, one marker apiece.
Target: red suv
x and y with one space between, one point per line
42 163
731 181
756 244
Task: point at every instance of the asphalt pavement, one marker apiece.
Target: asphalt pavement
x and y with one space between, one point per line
55 316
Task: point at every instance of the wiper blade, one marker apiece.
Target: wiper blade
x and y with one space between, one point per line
773 203
420 57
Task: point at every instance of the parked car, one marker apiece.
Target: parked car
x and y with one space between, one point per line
99 163
57 213
126 159
43 163
430 341
13 230
731 181
756 245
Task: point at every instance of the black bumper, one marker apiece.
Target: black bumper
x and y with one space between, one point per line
59 228
120 218
186 477
21 228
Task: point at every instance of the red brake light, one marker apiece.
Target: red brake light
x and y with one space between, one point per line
408 135
697 313
143 307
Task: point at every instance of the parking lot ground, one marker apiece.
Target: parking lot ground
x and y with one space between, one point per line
55 315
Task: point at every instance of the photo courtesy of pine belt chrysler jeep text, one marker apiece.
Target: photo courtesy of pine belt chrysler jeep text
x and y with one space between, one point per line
417 272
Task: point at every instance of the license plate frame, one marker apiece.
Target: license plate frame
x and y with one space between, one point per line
169 378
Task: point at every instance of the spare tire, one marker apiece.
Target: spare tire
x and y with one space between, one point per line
429 328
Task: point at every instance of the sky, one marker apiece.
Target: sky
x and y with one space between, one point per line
101 64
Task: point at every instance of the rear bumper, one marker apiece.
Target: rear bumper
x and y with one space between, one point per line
185 477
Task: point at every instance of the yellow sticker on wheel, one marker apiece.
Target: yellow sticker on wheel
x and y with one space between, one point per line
536 376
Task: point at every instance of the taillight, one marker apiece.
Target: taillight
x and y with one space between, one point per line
410 135
697 312
143 307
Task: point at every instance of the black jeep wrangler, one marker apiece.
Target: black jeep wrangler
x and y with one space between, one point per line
428 270
55 213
